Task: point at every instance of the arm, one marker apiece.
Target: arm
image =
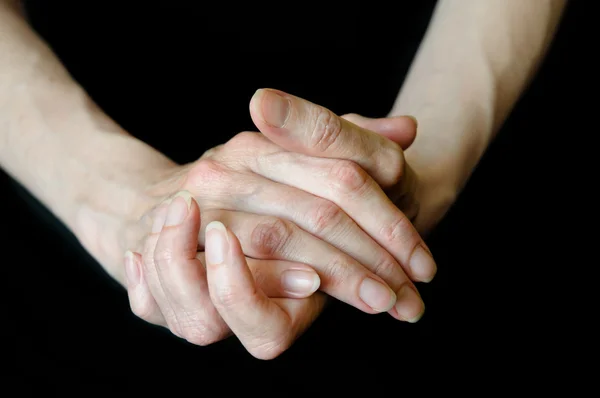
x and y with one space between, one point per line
111 191
61 147
475 60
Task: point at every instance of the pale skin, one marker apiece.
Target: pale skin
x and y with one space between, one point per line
364 190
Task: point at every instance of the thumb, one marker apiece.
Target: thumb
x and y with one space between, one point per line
400 129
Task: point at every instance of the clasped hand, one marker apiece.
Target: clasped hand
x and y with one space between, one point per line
258 231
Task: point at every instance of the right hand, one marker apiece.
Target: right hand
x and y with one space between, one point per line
278 222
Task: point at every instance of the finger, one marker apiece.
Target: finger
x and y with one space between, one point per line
264 328
303 127
400 129
352 189
141 301
184 297
404 194
318 216
149 271
281 279
341 276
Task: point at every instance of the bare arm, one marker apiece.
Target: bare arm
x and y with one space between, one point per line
475 60
60 146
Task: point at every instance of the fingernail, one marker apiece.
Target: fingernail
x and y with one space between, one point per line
216 243
132 271
376 295
409 305
300 282
275 108
178 209
422 265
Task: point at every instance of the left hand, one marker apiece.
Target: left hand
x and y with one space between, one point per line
376 145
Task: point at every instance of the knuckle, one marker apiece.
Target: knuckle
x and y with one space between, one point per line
200 339
243 140
199 334
205 171
400 230
193 327
335 274
326 130
324 216
212 151
349 178
270 236
229 297
386 267
163 256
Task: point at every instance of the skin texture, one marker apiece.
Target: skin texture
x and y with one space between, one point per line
476 59
110 188
248 184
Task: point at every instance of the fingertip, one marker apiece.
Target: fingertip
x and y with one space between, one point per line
189 199
400 129
300 283
141 301
185 195
422 265
216 225
376 294
414 120
274 108
316 282
255 103
409 306
216 244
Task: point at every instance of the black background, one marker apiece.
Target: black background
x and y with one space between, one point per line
507 253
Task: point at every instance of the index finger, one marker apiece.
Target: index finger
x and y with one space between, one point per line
265 327
301 126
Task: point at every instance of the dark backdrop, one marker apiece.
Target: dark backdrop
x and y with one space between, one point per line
172 71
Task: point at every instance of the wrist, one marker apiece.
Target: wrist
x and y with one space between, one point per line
443 156
435 194
121 185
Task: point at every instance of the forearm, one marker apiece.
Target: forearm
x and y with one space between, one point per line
58 144
475 60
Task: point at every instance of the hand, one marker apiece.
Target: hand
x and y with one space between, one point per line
274 222
421 194
266 327
360 166
376 145
167 285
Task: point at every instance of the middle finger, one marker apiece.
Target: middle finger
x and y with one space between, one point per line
341 275
346 184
